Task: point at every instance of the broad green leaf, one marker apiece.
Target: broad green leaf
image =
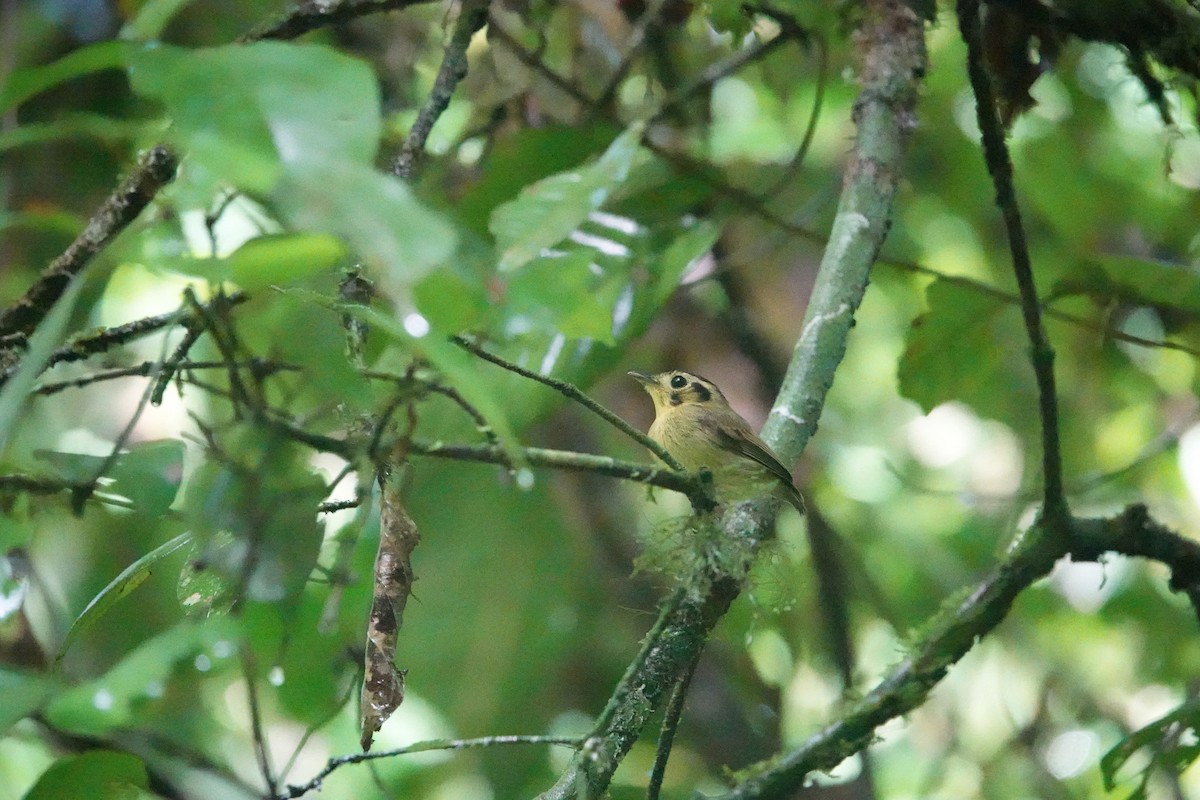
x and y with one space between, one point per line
968 347
376 214
669 268
149 474
283 258
548 211
242 111
527 155
73 467
45 338
566 292
130 578
21 694
111 700
94 775
24 83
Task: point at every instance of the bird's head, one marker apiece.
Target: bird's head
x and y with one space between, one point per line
677 388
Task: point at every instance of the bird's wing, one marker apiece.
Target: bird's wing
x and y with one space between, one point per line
754 448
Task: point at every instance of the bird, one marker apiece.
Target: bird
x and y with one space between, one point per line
694 423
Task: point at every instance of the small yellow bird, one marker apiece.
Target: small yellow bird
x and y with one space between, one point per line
694 423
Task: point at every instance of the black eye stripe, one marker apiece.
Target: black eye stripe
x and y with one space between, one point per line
702 392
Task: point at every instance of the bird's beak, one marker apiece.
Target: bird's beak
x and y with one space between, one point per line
642 378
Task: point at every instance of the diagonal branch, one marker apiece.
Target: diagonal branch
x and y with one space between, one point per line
961 623
155 169
471 18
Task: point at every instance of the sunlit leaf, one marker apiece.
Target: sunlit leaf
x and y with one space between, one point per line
242 111
377 215
282 259
548 211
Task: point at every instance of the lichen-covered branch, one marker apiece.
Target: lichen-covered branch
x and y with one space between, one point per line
964 621
892 42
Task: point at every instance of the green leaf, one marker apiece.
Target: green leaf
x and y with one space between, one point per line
130 578
73 467
458 368
1135 281
94 775
283 258
254 514
1171 741
24 83
20 695
45 338
242 111
376 214
149 474
669 268
111 701
548 211
968 347
566 292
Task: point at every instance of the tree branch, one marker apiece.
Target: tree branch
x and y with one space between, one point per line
999 164
964 621
471 17
154 170
894 60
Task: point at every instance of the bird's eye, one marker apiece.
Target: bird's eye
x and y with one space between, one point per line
678 381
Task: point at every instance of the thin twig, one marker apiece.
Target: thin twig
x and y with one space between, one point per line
999 165
312 15
573 392
472 16
261 752
670 724
680 482
423 747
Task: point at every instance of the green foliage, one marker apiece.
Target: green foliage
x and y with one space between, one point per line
558 234
968 347
1171 742
100 774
